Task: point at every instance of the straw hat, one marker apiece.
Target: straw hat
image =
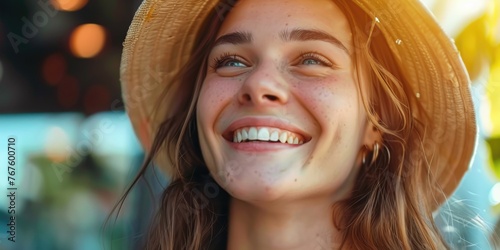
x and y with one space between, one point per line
162 34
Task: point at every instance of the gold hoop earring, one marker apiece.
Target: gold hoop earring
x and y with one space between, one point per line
388 154
363 161
376 149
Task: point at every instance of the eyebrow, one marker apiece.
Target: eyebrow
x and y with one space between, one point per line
239 37
234 38
308 35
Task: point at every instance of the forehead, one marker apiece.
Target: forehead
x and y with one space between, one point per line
271 16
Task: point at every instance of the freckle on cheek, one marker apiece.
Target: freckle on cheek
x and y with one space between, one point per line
338 136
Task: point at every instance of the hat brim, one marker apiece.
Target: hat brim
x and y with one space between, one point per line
162 35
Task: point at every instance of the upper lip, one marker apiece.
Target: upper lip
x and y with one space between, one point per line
273 122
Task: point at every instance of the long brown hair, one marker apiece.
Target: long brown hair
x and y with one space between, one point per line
389 206
387 209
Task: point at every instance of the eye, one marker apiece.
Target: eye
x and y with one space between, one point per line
311 62
312 58
233 63
228 60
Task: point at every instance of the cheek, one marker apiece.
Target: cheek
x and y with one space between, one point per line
214 94
335 105
329 99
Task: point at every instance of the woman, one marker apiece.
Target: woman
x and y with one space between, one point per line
297 124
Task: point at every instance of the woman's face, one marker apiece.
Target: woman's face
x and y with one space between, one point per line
279 115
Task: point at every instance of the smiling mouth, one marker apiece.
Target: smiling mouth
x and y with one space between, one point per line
265 134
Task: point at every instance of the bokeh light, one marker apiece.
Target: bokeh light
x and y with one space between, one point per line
96 99
69 5
68 92
495 194
56 144
53 69
87 40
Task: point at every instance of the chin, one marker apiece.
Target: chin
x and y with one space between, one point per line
260 194
258 185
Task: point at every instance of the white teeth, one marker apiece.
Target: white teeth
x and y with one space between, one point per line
244 134
239 136
263 134
275 136
252 133
283 137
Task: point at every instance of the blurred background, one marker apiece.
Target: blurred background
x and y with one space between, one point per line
61 109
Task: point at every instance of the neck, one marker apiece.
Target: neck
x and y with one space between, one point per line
297 225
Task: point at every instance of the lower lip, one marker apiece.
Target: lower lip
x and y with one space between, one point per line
258 146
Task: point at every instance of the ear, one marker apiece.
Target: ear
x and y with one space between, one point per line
372 135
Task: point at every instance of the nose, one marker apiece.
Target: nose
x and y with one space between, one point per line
264 86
